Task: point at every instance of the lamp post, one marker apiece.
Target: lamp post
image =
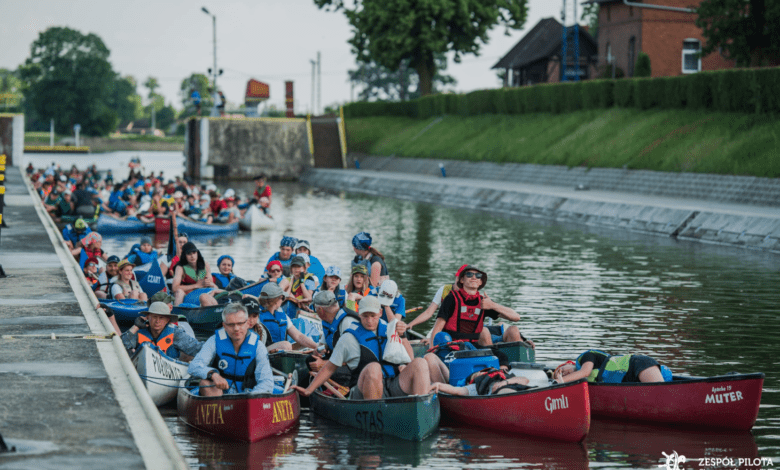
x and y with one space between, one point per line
215 96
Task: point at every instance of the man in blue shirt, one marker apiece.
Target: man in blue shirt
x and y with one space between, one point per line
73 234
234 360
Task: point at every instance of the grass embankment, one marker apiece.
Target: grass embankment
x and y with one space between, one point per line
113 143
663 140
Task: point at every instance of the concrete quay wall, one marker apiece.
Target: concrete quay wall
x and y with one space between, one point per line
755 227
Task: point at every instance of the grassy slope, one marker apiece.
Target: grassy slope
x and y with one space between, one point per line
114 143
664 140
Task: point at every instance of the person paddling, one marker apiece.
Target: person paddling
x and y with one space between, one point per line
463 311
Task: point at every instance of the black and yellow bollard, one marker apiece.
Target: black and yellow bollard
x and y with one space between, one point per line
2 200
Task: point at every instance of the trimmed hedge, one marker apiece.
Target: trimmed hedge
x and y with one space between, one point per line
734 90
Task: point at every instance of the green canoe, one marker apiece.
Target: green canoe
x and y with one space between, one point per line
519 351
412 418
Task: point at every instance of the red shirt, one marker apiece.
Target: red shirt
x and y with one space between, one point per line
266 192
217 205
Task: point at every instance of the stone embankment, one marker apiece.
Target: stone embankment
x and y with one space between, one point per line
731 210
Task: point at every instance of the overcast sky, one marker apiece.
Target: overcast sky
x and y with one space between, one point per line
271 41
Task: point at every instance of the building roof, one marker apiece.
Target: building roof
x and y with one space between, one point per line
544 40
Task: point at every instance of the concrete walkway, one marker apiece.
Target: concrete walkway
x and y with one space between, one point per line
743 225
66 402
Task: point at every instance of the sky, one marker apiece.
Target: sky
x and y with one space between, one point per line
270 41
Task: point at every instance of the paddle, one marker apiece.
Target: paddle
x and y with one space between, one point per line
413 310
416 334
330 387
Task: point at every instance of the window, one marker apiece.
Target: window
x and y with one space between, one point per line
631 55
691 56
609 13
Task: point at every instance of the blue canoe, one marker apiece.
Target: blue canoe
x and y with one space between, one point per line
108 224
125 310
192 227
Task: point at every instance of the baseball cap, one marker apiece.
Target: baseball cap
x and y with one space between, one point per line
333 271
369 304
387 292
298 260
324 298
161 296
80 224
271 291
113 259
302 244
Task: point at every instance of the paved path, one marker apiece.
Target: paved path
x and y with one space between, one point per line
59 404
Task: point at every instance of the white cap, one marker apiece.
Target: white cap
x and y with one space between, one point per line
229 193
387 292
369 304
211 187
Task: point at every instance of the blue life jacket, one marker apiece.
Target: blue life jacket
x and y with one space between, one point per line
70 234
275 323
331 330
138 257
164 342
221 280
236 368
372 348
116 204
275 257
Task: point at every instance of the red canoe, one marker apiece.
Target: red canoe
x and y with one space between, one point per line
240 417
559 412
162 224
724 401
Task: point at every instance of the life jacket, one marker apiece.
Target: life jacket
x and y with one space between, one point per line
190 276
353 304
69 233
465 316
132 285
332 330
612 369
485 378
237 368
443 349
373 259
296 289
221 280
93 281
372 348
164 341
446 291
275 257
138 257
116 204
275 323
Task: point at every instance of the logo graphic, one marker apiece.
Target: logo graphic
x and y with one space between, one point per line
222 364
673 461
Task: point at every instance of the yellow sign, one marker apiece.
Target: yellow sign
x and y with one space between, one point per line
2 159
2 177
2 167
1 218
283 411
2 189
209 414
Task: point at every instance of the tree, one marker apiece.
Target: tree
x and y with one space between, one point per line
747 31
416 30
68 78
10 90
403 84
166 117
201 83
124 99
590 14
642 67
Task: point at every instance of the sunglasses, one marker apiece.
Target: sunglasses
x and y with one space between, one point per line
91 264
470 275
275 271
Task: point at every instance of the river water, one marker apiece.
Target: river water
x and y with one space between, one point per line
701 310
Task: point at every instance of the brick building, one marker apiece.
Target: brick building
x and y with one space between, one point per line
536 58
670 38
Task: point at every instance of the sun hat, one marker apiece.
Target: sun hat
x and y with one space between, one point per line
472 268
298 260
271 291
112 259
161 296
124 263
387 292
80 224
362 241
369 304
302 244
324 298
160 308
333 271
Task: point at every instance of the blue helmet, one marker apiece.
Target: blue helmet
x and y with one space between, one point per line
441 338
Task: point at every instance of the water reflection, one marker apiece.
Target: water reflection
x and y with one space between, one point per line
699 309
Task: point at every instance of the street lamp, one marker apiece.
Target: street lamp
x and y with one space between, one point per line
214 111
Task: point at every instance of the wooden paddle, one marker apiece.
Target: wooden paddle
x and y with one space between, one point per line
330 387
416 334
413 309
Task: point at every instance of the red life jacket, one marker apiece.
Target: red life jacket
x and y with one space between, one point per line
485 379
466 319
451 346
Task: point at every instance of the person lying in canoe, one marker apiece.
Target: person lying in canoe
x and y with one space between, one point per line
276 321
598 366
153 326
361 349
192 272
488 381
463 311
234 360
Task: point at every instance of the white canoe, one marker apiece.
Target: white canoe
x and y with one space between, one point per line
161 375
254 219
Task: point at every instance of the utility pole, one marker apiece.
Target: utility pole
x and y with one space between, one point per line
319 83
214 111
313 72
